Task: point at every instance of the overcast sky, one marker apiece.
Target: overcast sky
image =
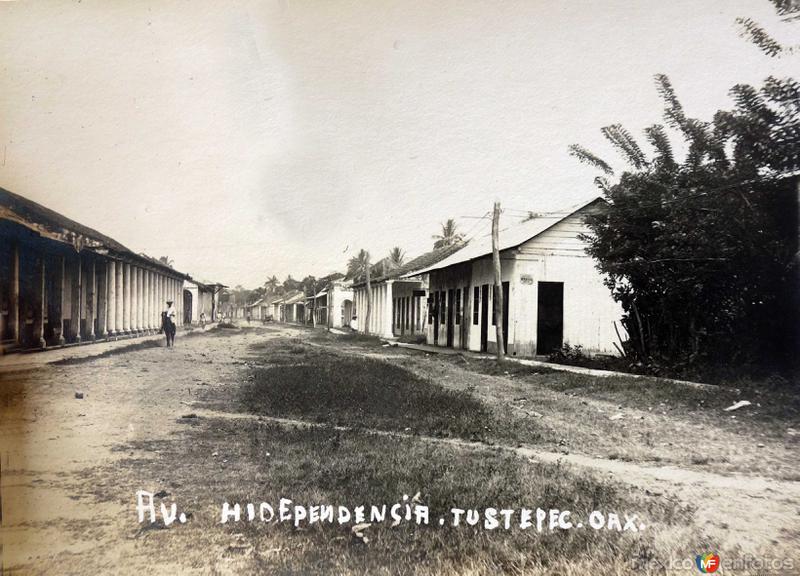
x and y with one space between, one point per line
245 139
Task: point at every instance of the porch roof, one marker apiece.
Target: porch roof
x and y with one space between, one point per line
54 226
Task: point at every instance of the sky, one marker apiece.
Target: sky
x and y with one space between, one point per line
246 139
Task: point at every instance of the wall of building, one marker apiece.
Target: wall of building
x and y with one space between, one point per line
556 255
467 333
53 293
381 322
340 310
409 308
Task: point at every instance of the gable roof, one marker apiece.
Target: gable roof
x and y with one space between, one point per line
510 237
415 266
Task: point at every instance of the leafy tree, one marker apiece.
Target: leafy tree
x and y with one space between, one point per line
290 284
312 285
396 257
359 267
788 11
166 260
448 236
699 252
272 285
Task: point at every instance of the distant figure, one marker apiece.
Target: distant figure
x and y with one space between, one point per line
354 323
168 323
248 317
202 320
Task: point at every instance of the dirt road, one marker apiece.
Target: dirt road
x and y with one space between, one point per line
68 505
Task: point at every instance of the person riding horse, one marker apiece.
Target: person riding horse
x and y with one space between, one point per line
168 323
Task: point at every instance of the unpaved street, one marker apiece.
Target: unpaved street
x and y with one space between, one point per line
166 421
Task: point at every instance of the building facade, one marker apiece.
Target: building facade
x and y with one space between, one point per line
340 304
552 292
293 308
200 298
398 298
62 282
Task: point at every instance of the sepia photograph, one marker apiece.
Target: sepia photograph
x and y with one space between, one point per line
399 287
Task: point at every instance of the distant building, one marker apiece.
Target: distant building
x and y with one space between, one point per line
62 282
200 298
316 309
340 304
399 304
292 307
552 292
258 310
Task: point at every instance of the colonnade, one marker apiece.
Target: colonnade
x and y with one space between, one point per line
380 321
50 294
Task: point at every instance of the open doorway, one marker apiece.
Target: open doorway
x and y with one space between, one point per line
484 318
550 317
187 307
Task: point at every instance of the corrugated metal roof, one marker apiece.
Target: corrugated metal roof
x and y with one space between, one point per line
510 237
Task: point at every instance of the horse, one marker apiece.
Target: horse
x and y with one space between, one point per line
169 328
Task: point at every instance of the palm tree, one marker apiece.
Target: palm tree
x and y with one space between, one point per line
358 267
396 257
449 235
272 284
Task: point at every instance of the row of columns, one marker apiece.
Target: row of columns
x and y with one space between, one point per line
106 298
136 297
380 321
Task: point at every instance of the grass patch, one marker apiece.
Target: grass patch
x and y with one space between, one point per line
775 402
362 392
325 466
353 338
302 382
492 367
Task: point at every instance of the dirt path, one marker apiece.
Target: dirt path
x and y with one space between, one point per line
52 442
749 512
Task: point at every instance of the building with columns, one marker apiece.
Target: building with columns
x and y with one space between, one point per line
64 283
399 298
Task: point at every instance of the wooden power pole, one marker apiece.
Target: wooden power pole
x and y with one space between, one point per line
498 283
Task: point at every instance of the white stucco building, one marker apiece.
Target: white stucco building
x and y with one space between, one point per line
553 293
200 298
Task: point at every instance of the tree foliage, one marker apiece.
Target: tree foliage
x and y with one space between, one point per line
701 254
788 11
448 236
357 268
396 257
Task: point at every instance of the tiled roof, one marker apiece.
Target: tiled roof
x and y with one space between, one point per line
55 226
413 267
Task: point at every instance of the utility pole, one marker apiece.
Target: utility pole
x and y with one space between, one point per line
369 297
498 283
